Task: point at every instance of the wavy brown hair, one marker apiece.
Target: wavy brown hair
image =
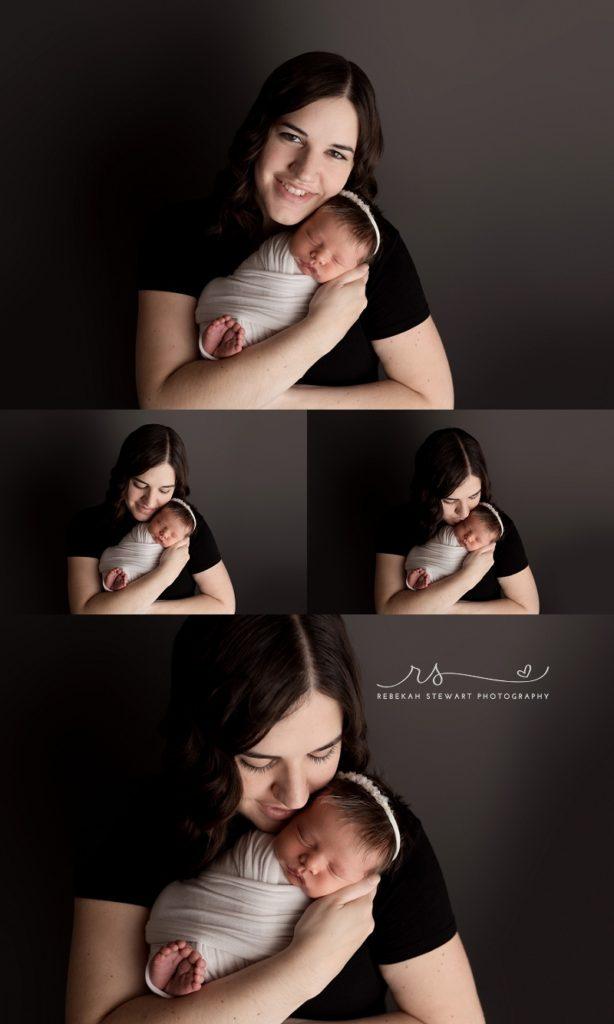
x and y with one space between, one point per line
146 447
292 86
442 462
233 679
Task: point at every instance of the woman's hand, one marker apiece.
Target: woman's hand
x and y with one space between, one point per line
332 929
339 303
477 563
176 557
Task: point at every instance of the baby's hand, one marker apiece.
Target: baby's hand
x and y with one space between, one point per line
418 579
223 337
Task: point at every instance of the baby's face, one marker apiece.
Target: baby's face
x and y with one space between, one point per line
166 528
472 533
324 248
319 852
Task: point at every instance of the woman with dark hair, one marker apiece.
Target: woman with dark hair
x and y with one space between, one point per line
263 711
450 479
190 578
313 130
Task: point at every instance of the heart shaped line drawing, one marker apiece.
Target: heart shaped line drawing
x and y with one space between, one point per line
524 673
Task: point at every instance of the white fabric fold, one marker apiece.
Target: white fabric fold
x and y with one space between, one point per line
136 553
238 910
441 556
265 294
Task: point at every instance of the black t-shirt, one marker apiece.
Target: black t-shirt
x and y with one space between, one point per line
177 255
93 530
412 909
396 537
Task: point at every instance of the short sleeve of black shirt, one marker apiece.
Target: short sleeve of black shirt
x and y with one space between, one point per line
178 254
204 551
396 300
90 532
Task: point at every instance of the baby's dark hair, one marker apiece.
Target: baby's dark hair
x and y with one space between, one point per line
183 514
488 517
359 808
350 214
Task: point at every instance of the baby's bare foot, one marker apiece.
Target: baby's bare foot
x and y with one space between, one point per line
232 342
177 969
415 579
219 330
116 579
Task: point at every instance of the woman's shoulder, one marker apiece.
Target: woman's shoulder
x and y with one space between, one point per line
87 531
180 253
412 910
396 299
510 555
395 530
204 552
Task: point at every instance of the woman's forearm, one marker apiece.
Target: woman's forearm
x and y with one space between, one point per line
268 991
381 394
200 604
253 378
438 599
501 606
135 599
394 1017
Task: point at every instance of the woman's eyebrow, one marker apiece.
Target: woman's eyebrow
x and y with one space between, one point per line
271 757
299 131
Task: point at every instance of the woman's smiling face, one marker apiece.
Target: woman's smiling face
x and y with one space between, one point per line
150 491
307 158
457 505
297 756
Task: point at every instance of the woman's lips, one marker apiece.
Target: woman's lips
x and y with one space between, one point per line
275 812
282 191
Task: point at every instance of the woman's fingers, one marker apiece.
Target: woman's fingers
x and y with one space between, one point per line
357 890
357 274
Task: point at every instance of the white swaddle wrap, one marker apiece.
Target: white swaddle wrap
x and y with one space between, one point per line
266 293
441 556
238 910
136 553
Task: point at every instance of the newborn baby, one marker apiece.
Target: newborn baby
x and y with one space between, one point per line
272 288
246 904
139 551
444 554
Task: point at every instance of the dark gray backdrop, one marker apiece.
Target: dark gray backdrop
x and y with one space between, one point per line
514 795
496 171
247 477
549 472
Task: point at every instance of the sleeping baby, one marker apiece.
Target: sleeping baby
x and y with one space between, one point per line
272 288
444 554
139 551
246 904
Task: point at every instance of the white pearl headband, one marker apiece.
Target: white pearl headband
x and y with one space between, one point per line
378 796
180 501
491 508
365 209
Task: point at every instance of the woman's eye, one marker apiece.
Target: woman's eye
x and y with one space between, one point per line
139 487
290 137
337 155
257 767
318 759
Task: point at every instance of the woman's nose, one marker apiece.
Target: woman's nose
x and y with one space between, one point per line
292 790
305 166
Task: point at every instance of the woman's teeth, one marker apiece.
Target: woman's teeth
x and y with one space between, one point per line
294 191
